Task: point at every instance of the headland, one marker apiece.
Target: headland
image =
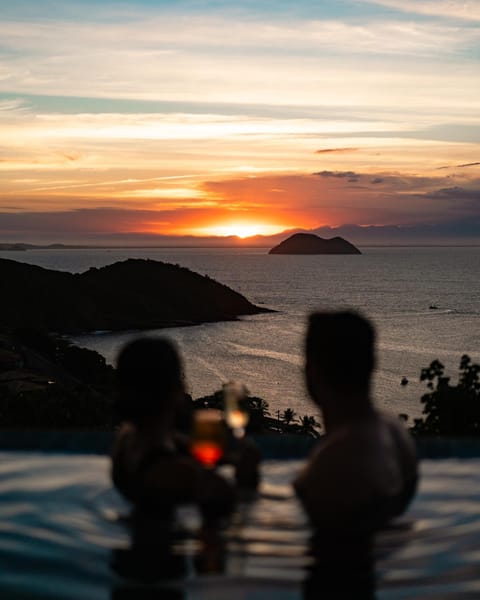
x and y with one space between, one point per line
133 294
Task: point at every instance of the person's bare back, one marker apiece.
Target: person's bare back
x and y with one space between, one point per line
360 476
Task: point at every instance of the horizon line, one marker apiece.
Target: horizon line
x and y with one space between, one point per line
60 246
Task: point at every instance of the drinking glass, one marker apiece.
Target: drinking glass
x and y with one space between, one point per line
236 414
208 437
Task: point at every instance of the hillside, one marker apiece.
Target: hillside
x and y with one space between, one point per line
134 294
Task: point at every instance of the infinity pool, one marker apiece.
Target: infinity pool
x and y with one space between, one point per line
62 527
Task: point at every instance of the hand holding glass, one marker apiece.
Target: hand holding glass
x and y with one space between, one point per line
208 437
236 415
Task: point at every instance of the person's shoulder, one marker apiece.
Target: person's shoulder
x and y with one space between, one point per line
332 453
397 428
124 437
390 420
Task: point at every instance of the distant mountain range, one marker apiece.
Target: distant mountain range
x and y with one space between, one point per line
461 233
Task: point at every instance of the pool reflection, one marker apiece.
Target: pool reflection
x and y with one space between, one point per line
164 553
59 522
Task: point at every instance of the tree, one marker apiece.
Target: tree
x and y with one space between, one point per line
88 365
308 425
288 416
452 410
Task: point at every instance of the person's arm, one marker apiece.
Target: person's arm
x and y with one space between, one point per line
246 459
171 478
179 479
408 462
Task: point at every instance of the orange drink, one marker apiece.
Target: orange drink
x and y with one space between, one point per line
208 437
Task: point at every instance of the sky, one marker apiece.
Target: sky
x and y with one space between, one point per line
155 121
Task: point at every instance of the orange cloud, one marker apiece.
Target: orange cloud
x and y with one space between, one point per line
337 197
263 204
336 150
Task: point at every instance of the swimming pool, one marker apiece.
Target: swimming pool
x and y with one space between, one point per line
60 532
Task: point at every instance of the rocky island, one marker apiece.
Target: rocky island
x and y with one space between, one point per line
308 243
133 294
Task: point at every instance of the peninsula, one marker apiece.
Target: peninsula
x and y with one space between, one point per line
133 294
308 243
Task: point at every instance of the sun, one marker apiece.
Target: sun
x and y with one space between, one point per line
241 230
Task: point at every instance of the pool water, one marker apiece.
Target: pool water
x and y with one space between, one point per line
64 535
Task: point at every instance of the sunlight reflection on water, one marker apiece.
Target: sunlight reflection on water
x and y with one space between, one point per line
393 286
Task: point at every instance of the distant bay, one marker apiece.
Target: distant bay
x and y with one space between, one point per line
395 287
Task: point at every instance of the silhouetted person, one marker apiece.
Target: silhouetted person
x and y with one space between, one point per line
151 464
363 472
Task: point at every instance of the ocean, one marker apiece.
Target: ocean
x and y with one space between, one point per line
394 287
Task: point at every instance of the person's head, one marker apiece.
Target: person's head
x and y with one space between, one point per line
340 356
149 375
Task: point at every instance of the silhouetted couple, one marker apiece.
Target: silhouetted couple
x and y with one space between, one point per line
362 474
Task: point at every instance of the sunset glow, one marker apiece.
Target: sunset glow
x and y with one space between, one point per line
311 114
241 230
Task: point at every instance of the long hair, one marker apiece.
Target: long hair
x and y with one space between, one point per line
149 373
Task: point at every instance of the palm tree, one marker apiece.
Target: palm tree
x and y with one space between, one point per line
308 424
288 416
258 405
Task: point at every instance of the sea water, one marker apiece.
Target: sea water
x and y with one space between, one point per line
395 287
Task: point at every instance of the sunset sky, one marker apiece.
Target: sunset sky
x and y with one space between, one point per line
129 121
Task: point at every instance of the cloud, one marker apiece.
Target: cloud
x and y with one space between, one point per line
473 164
220 92
219 59
456 192
336 150
454 232
461 200
72 157
306 200
86 226
12 108
92 220
457 9
339 174
350 176
329 197
167 36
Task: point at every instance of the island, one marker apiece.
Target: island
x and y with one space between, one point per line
133 294
309 243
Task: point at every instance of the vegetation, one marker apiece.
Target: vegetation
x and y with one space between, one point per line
46 382
450 410
289 416
133 294
56 407
260 420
